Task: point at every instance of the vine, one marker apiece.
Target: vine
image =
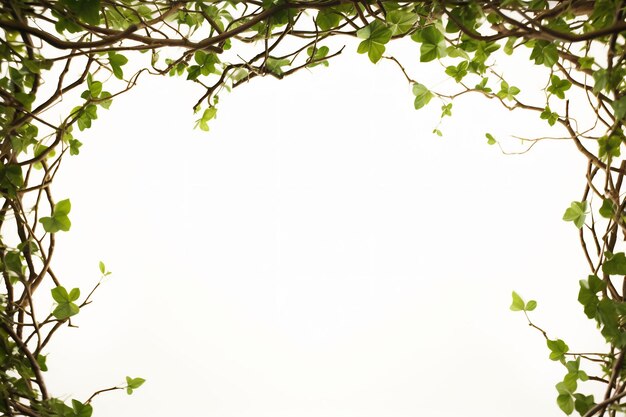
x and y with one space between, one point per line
70 50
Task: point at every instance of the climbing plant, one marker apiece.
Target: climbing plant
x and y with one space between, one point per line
64 62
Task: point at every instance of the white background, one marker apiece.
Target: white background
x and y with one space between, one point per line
319 253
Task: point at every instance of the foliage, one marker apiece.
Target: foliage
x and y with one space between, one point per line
91 51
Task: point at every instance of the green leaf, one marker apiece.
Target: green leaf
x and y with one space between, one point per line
375 36
209 113
549 115
11 177
28 246
74 294
13 263
75 145
608 315
87 10
274 65
401 21
317 55
60 409
573 366
484 51
25 99
531 305
206 62
60 295
583 403
576 213
95 88
133 384
545 52
566 403
558 24
619 106
240 74
203 122
62 208
35 66
459 71
422 95
193 72
615 265
518 303
607 210
55 224
59 221
509 46
433 43
65 308
41 361
586 62
117 61
81 410
558 86
574 373
507 92
609 147
587 295
465 16
102 267
327 19
603 13
565 388
454 52
601 80
202 58
103 100
482 86
91 111
490 139
446 110
569 384
558 349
